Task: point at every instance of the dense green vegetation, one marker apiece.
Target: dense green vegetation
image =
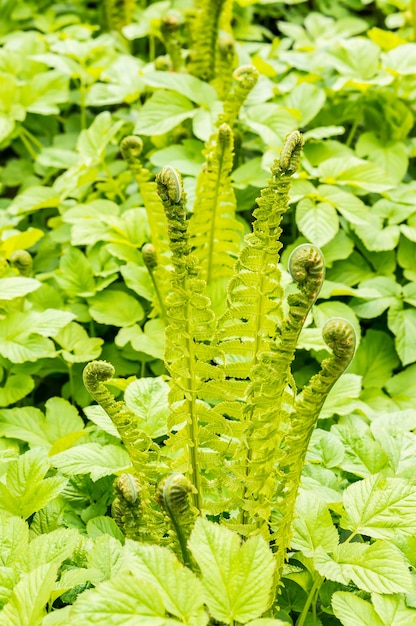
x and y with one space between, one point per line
150 166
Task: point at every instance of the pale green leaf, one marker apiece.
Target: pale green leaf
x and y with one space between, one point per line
162 112
354 611
6 126
105 556
150 342
138 279
237 579
343 397
400 60
148 399
93 459
17 286
378 567
98 416
375 359
312 526
93 141
357 57
75 275
351 207
390 155
16 387
180 590
317 221
325 448
307 100
271 122
267 621
116 308
196 90
14 538
52 547
123 601
325 311
380 293
403 324
27 604
354 172
392 610
362 455
77 346
380 507
102 525
32 199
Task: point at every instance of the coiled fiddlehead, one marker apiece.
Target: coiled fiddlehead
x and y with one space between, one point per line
126 508
22 261
340 337
245 79
173 495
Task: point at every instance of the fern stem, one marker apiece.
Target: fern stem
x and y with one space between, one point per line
311 597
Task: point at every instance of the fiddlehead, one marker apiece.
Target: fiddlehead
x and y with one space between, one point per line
22 261
245 79
340 337
204 32
171 23
126 508
173 495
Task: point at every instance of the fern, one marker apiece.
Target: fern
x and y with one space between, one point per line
204 33
118 13
245 79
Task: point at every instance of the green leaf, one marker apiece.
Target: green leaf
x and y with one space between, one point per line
150 342
148 399
29 597
162 112
306 100
400 60
343 397
17 286
187 158
381 293
116 308
390 155
354 611
16 387
393 610
325 448
26 490
237 578
32 199
98 416
375 359
354 172
271 122
355 57
102 526
75 275
403 324
312 526
378 567
93 459
138 280
180 590
14 538
77 346
93 142
52 547
350 207
380 507
196 90
105 555
317 221
123 601
363 455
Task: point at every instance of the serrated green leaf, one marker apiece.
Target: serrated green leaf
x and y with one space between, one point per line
148 399
14 538
351 207
307 100
390 155
32 199
105 556
401 59
325 448
103 525
343 397
271 122
17 286
196 90
180 590
393 610
363 455
162 112
354 611
116 308
93 459
93 141
150 342
312 526
317 221
29 597
375 359
53 547
354 172
381 292
378 567
380 507
98 416
237 579
75 275
17 386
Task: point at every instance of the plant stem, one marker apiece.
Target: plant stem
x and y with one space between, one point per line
311 597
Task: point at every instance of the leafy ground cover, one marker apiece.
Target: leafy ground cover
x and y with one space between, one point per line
77 78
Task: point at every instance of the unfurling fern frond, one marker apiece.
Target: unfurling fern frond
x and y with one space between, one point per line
204 33
340 337
245 79
126 508
191 355
118 13
173 495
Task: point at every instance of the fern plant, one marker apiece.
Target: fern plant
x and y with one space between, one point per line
238 427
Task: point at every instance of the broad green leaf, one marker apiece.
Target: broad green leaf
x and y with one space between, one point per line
162 112
187 158
75 275
354 172
402 387
16 387
378 567
271 122
105 555
148 399
375 359
312 526
53 547
392 610
104 526
123 601
21 241
17 286
93 142
196 90
138 280
32 199
363 455
403 324
325 448
150 342
237 578
115 307
343 397
93 221
77 346
356 57
354 611
14 538
267 621
180 590
27 604
351 207
93 459
8 580
390 155
98 416
375 235
353 270
44 91
317 221
380 292
380 507
6 126
26 490
400 60
400 448
307 100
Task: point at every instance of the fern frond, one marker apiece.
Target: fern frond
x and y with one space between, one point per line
340 337
169 27
191 356
204 33
126 508
245 79
215 234
225 61
118 13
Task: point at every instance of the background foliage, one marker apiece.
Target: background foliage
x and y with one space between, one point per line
75 79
